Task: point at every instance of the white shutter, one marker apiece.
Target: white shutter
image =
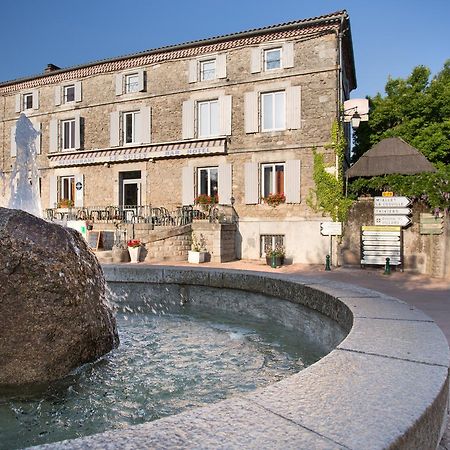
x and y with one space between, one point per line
36 99
251 112
119 84
79 193
225 184
57 95
53 136
293 108
225 108
251 183
255 60
114 128
288 55
78 91
13 141
193 72
37 142
221 66
187 186
145 125
188 119
18 106
141 80
77 132
53 188
292 180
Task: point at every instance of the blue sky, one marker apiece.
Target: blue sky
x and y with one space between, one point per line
390 37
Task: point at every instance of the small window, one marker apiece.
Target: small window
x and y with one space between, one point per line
66 191
130 127
272 59
208 118
273 115
208 70
208 181
131 83
69 93
270 242
27 101
68 134
272 179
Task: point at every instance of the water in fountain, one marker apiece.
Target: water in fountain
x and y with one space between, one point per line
24 181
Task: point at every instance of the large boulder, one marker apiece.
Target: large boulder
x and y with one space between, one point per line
53 310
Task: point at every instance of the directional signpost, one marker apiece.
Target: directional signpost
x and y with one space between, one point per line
392 211
381 242
430 224
331 229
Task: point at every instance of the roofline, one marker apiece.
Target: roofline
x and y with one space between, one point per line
304 23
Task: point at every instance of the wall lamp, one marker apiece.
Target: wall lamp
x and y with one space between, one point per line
356 111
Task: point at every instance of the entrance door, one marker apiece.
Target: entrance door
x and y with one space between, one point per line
131 193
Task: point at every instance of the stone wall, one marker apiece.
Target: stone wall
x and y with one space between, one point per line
168 244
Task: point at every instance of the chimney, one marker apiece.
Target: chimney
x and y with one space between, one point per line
50 68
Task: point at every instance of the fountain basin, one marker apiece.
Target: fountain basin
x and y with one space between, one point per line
385 385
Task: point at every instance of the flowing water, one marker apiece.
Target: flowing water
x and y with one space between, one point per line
166 363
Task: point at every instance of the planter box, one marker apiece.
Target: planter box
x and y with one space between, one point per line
279 261
135 253
196 257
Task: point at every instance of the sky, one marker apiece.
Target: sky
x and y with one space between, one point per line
390 37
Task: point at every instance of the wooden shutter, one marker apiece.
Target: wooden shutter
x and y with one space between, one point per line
292 180
251 183
119 84
57 95
77 132
78 91
35 99
79 193
141 80
225 184
288 55
18 106
251 112
293 108
221 66
53 136
53 189
193 72
255 60
145 125
187 186
225 108
13 142
114 128
188 119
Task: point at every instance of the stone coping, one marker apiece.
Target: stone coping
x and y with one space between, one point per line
384 386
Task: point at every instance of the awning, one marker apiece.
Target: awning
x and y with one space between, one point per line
138 153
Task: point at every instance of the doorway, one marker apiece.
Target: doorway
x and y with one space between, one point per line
130 188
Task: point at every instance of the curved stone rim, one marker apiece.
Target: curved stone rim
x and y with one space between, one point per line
385 385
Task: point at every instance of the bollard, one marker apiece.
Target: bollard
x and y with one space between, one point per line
327 263
387 267
273 262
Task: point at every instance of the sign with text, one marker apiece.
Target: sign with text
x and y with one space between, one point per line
431 224
392 220
381 242
391 202
331 228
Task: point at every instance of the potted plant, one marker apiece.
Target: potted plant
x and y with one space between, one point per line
205 201
65 203
198 252
275 256
134 249
274 199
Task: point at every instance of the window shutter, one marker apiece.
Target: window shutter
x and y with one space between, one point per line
36 99
78 91
225 184
53 136
57 95
251 183
292 168
13 142
37 142
18 106
79 193
225 108
53 198
145 125
251 112
221 66
187 186
77 132
255 60
288 55
141 81
119 84
114 129
293 108
188 119
193 72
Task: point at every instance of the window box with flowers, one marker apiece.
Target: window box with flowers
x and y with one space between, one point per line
275 256
134 249
65 203
205 201
274 199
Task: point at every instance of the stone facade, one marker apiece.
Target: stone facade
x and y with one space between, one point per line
315 77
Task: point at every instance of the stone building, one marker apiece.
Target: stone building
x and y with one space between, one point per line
234 116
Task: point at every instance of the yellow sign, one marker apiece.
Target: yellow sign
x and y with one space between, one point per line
380 228
387 194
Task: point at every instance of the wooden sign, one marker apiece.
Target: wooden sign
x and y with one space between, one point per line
94 239
430 224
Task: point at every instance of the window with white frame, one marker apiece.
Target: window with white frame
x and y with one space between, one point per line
131 83
68 134
208 70
208 118
27 101
130 126
272 58
69 93
208 179
272 179
273 111
66 190
270 242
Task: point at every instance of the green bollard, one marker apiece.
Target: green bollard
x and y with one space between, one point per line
273 263
327 263
387 267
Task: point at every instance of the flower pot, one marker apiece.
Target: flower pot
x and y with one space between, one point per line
279 260
196 257
134 254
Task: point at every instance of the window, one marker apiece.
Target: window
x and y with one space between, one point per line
208 118
273 116
270 242
130 127
69 93
272 179
27 101
272 59
208 181
131 83
66 190
68 134
208 70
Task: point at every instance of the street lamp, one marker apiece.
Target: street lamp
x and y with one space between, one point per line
356 111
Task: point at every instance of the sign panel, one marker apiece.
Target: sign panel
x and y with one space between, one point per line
430 224
381 242
331 228
392 211
392 220
391 202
